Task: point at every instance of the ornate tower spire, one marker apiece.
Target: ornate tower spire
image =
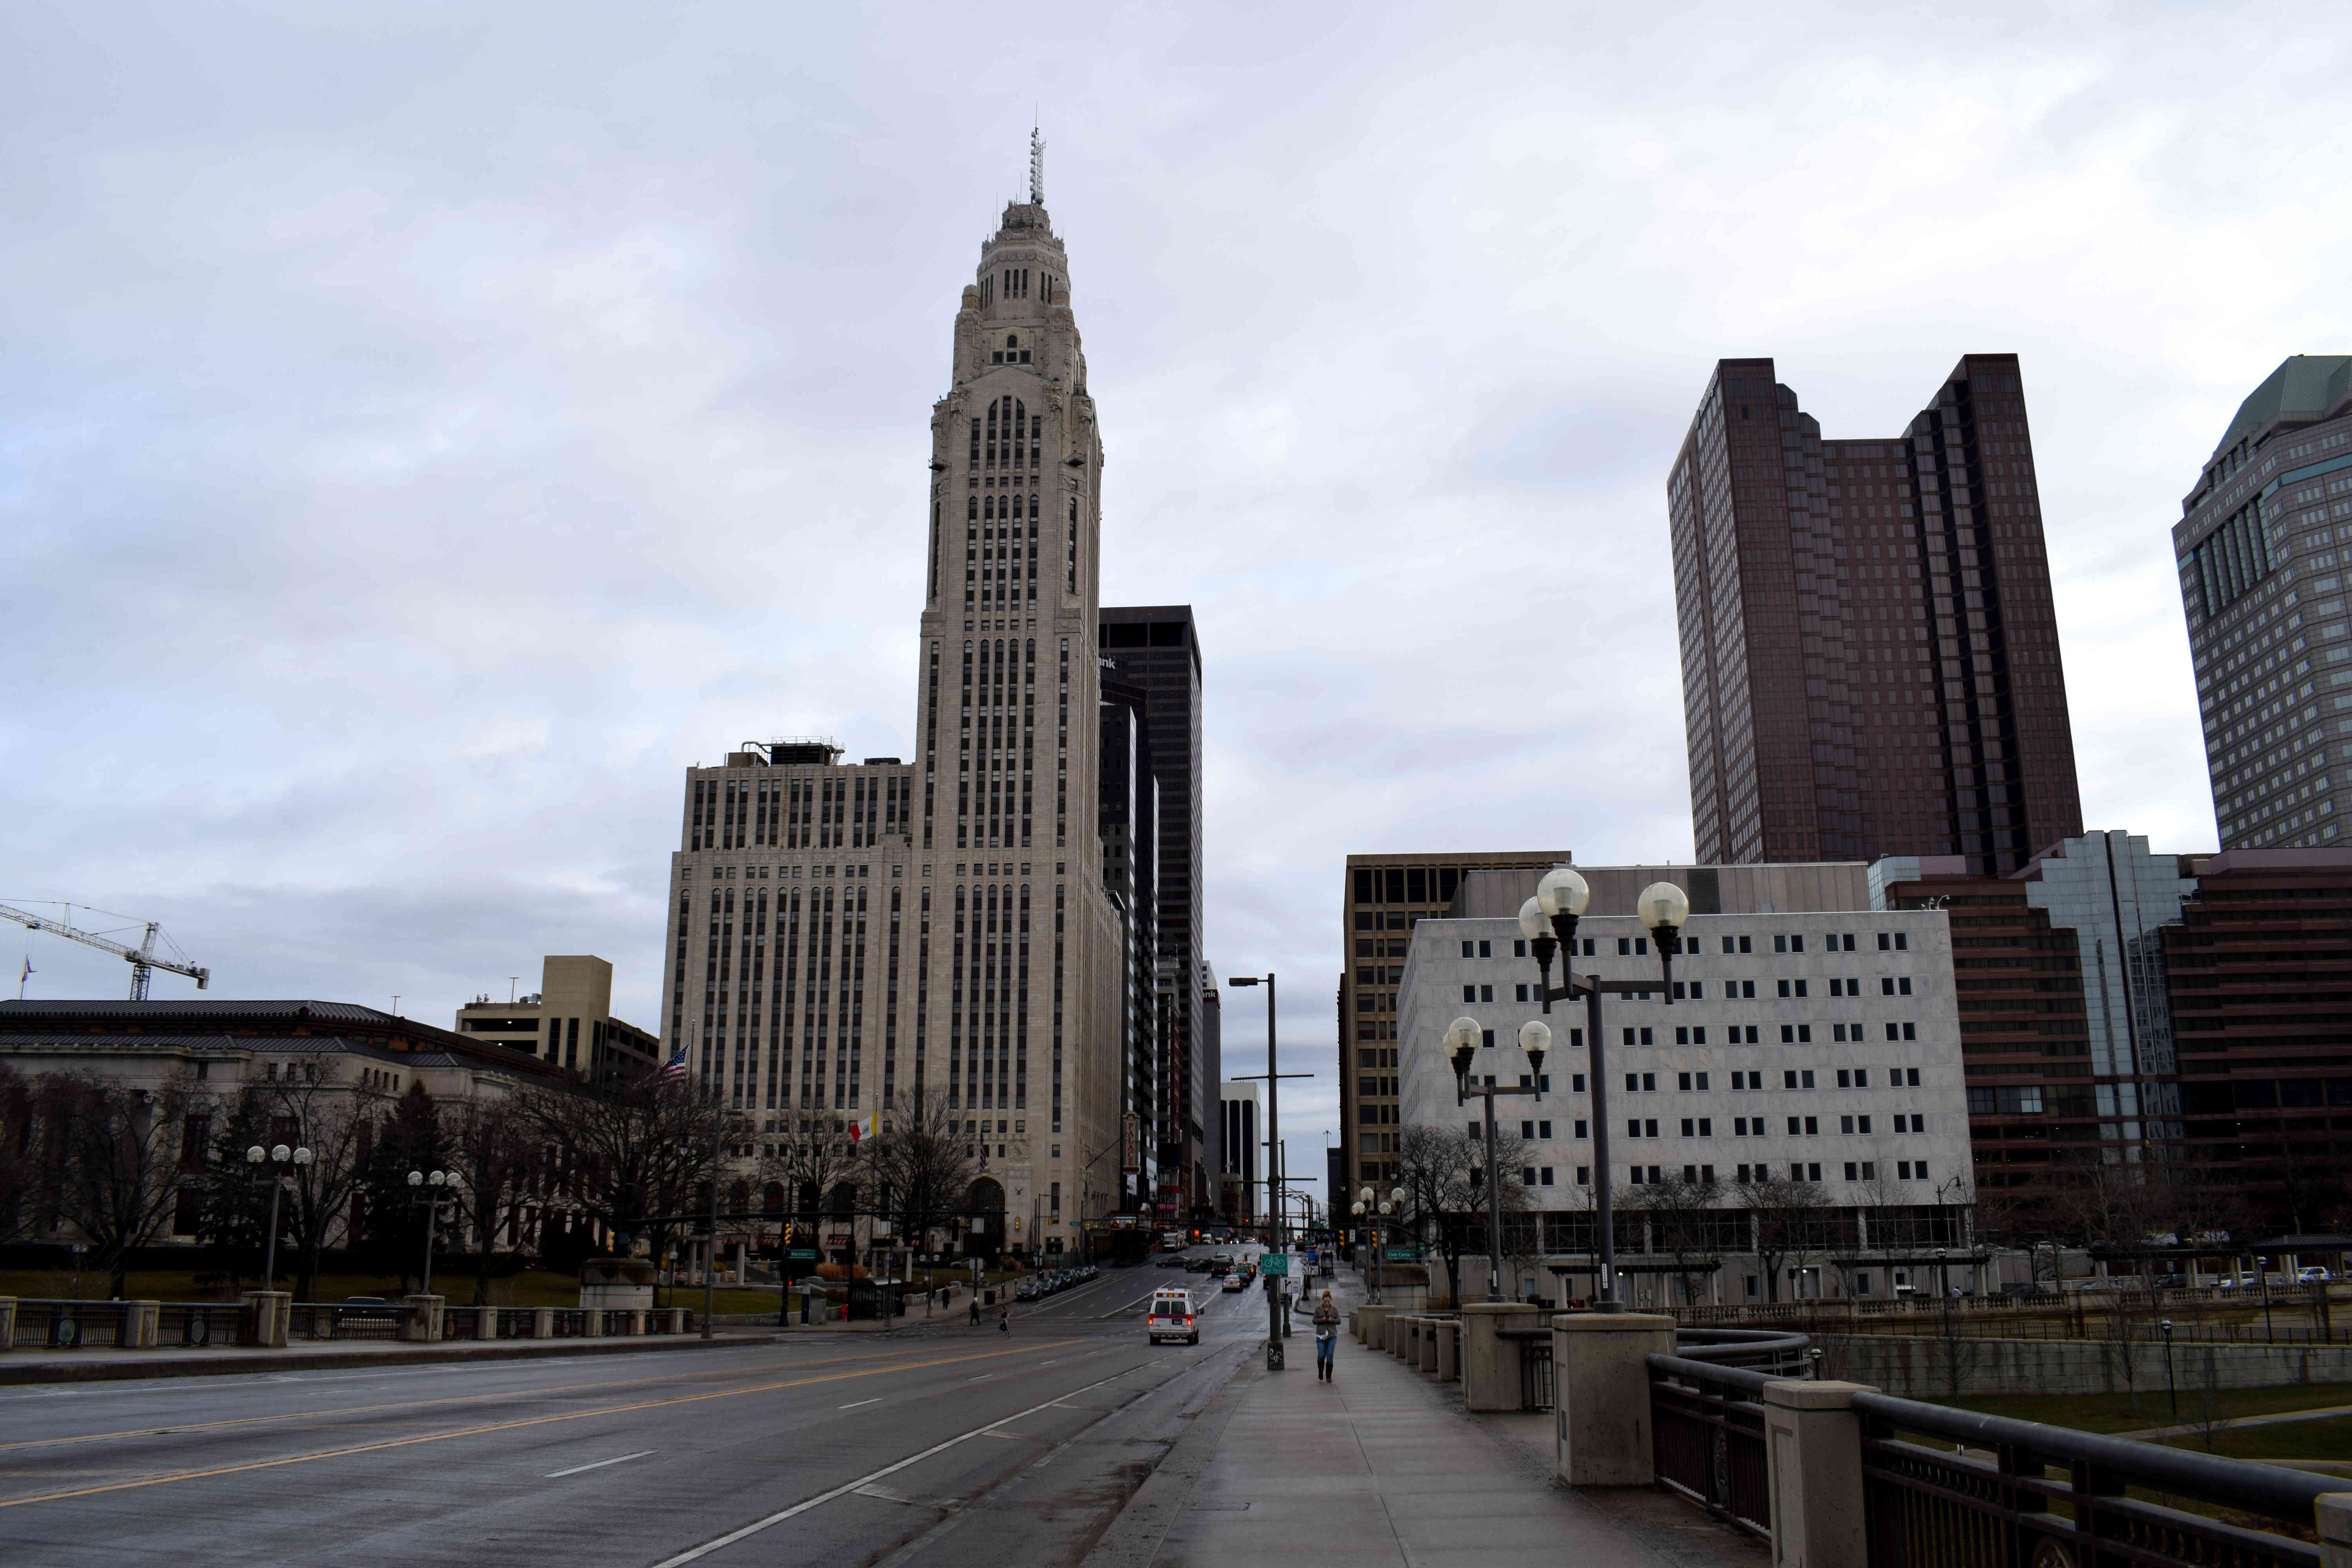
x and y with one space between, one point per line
1036 167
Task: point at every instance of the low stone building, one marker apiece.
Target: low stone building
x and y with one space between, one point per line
1810 1040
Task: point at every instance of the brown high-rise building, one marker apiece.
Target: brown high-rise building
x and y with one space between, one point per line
1384 897
1870 660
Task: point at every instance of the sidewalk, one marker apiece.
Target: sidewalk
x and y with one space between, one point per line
110 1365
1381 1468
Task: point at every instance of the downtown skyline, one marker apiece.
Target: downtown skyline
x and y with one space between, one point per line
393 523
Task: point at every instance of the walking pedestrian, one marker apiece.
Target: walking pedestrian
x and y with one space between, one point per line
975 1308
1004 1319
1327 1336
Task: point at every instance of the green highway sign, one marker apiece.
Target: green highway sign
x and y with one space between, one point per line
1274 1263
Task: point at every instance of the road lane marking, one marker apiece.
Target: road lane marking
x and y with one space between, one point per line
179 1427
496 1426
757 1525
876 1400
559 1474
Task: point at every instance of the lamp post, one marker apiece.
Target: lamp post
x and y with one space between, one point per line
1376 1213
2171 1382
1549 920
433 1189
279 1155
1277 1240
1462 1039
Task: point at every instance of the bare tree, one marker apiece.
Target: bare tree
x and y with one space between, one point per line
17 1162
633 1155
814 1155
1682 1215
336 1122
917 1171
1444 1175
1787 1219
490 1146
109 1159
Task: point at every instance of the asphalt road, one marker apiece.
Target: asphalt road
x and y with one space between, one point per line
941 1445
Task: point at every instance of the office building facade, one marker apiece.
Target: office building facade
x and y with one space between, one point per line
1803 1046
844 938
568 1022
1241 1176
1155 650
1131 841
2162 1033
2262 546
1870 658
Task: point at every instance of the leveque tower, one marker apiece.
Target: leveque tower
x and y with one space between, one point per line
845 937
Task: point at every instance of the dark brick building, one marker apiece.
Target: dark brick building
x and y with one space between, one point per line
1156 649
1870 659
2124 1014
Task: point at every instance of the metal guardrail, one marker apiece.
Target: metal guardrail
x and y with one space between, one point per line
67 1325
321 1321
196 1324
1927 1508
1707 1434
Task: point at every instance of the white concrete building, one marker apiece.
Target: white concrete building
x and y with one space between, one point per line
1821 1046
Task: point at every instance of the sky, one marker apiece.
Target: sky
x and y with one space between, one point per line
425 431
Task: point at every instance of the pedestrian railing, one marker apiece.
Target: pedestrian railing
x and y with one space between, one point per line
2020 1493
67 1325
1707 1426
1934 1487
318 1321
196 1324
568 1322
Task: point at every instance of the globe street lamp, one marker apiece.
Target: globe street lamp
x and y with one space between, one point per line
1376 1212
1462 1040
279 1155
1549 921
433 1190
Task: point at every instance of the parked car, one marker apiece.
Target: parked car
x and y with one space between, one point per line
2312 1274
2026 1291
2171 1281
1173 1260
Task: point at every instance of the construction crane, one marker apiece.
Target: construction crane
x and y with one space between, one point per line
143 958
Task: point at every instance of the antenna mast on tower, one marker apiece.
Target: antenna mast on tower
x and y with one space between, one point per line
1036 167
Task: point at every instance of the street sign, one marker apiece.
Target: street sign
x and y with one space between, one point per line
804 1254
1273 1263
1404 1254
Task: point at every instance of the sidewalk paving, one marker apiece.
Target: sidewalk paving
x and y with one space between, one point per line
1383 1469
110 1365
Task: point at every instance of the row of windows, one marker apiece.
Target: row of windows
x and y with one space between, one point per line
1696 990
1790 1034
1745 1081
1785 941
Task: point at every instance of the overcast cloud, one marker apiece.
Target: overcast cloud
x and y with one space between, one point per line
426 430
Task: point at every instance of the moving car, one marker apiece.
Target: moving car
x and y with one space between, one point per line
1235 1283
1174 1315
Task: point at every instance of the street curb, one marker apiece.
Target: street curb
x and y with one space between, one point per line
131 1370
1135 1537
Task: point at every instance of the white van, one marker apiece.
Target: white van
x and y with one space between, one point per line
1174 1316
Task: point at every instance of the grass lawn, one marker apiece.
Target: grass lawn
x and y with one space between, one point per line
2330 1439
2116 1412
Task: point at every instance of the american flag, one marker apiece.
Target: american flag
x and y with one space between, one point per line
674 1067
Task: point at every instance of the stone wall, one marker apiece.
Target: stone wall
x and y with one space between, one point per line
1918 1367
